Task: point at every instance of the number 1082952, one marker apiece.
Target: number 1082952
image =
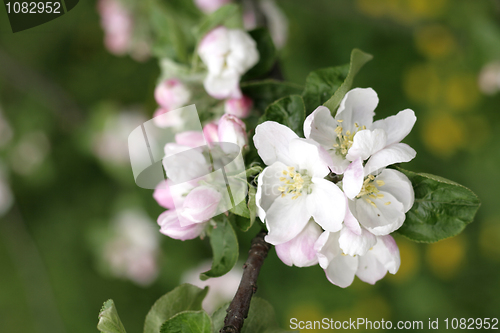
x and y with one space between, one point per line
33 7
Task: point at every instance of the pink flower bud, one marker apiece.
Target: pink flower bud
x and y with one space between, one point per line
201 204
117 24
233 130
239 107
170 226
162 118
300 250
191 139
211 132
163 196
172 94
210 6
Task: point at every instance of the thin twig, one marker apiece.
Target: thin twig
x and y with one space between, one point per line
238 309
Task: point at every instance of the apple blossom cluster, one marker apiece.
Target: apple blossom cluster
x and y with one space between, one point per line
193 192
344 226
489 78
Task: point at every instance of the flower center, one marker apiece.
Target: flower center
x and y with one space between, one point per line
294 183
370 191
345 140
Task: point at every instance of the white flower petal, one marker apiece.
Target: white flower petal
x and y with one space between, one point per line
397 127
272 141
286 219
382 217
382 258
306 156
350 221
201 204
341 270
327 248
395 153
366 143
353 179
320 126
353 244
397 184
223 85
357 106
300 250
170 226
326 204
267 188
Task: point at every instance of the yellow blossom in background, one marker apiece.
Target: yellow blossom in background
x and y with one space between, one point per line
427 8
489 238
410 261
422 83
443 134
373 308
446 257
462 91
435 41
305 312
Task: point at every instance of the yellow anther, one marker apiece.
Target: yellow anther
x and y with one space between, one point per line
387 203
380 182
356 125
380 195
340 120
282 179
285 172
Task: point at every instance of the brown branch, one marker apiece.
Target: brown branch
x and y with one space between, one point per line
238 309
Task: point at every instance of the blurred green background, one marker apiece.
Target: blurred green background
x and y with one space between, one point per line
60 90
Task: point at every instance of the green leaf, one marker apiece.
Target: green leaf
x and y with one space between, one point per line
265 92
183 298
225 249
267 53
109 321
241 209
289 111
442 208
261 318
322 84
358 60
228 15
188 322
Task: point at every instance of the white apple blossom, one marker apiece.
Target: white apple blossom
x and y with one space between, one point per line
228 54
352 133
221 289
210 6
340 268
379 201
300 250
171 94
292 189
133 250
489 78
239 107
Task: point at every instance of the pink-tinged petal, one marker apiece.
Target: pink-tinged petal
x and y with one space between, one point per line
353 244
210 6
211 132
306 156
397 184
366 143
326 204
163 118
300 250
395 153
239 107
327 247
224 85
339 163
201 204
233 130
163 196
358 107
182 165
382 258
272 141
341 270
170 226
397 127
320 126
267 187
353 179
191 139
171 94
380 216
286 219
213 47
350 221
